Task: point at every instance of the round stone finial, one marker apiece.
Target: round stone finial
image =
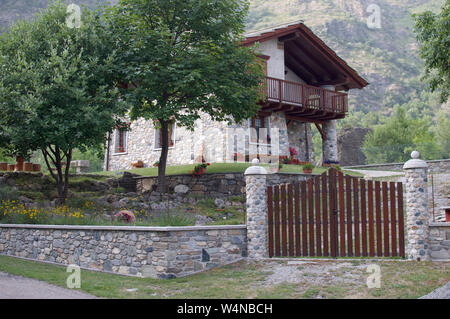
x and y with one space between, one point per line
255 169
415 161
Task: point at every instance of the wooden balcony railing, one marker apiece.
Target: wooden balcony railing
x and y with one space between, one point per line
305 96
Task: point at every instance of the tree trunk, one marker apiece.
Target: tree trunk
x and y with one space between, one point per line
53 156
163 158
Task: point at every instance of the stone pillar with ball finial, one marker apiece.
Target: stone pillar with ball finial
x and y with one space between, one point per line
256 193
416 188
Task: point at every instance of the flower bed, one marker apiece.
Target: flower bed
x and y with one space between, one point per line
15 212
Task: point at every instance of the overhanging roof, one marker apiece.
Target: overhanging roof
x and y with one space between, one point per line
309 57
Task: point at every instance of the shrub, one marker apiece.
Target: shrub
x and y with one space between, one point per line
7 193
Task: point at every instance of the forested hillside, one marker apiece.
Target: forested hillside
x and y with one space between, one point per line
387 57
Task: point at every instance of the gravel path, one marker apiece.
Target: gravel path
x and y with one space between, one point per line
370 173
440 293
317 273
16 287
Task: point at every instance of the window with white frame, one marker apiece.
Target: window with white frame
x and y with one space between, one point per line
158 136
259 130
120 141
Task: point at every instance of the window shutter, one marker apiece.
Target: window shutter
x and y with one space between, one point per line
253 134
124 140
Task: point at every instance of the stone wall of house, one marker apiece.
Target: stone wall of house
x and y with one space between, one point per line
188 148
439 240
157 252
214 185
300 138
211 140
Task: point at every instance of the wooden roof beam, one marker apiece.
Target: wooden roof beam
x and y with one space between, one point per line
307 73
310 56
298 61
336 82
303 119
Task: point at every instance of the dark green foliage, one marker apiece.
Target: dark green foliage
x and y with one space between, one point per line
398 136
433 33
182 58
57 88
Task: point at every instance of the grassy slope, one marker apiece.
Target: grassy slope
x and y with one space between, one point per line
216 168
400 279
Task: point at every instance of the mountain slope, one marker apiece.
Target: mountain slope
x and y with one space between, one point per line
386 57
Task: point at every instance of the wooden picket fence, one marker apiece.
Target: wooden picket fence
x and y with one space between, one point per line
336 215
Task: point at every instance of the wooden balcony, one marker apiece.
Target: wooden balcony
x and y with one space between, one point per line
303 102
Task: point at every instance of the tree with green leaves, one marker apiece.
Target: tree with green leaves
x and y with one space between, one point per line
443 133
181 58
56 88
393 140
433 33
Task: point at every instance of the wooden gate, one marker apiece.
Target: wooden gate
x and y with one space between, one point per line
336 215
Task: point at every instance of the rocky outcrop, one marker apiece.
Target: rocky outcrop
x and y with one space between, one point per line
350 141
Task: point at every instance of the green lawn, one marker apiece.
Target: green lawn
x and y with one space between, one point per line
217 168
399 279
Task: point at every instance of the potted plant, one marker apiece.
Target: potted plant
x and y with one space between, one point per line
330 163
28 167
156 164
19 163
308 168
199 169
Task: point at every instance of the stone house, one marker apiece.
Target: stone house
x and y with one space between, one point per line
306 83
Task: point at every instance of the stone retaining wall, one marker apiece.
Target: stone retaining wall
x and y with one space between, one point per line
157 252
436 166
214 185
439 240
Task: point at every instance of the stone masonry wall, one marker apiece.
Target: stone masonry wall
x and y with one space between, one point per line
435 166
417 214
440 241
329 144
215 185
157 252
300 138
210 140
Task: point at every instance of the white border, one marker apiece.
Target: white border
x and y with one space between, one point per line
250 132
114 144
174 138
